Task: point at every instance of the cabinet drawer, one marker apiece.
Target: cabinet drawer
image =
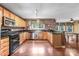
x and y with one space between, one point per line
5 45
6 53
4 49
4 40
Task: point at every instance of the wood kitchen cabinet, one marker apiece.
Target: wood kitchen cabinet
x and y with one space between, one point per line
42 35
72 40
6 13
58 40
24 36
20 22
1 14
50 38
12 16
21 38
17 21
45 35
4 46
23 23
28 35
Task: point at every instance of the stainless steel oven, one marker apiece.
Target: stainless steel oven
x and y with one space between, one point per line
8 22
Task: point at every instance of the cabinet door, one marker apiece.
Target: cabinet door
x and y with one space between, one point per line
57 40
16 20
21 38
20 22
50 37
6 13
12 16
25 35
24 23
40 35
1 14
4 46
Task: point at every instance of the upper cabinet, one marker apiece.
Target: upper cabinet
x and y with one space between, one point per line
23 23
1 11
76 26
1 14
6 13
12 16
19 22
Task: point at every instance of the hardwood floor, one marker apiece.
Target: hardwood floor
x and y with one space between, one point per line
43 48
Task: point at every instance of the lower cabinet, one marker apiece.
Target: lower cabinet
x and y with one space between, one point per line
72 40
42 35
45 35
24 36
58 40
4 46
50 39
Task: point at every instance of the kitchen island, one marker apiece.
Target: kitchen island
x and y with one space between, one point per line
56 39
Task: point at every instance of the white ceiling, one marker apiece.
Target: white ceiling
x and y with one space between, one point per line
60 11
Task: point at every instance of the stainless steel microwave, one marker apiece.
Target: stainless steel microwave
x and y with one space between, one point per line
8 22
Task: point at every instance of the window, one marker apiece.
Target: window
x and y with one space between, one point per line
69 28
36 25
61 27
